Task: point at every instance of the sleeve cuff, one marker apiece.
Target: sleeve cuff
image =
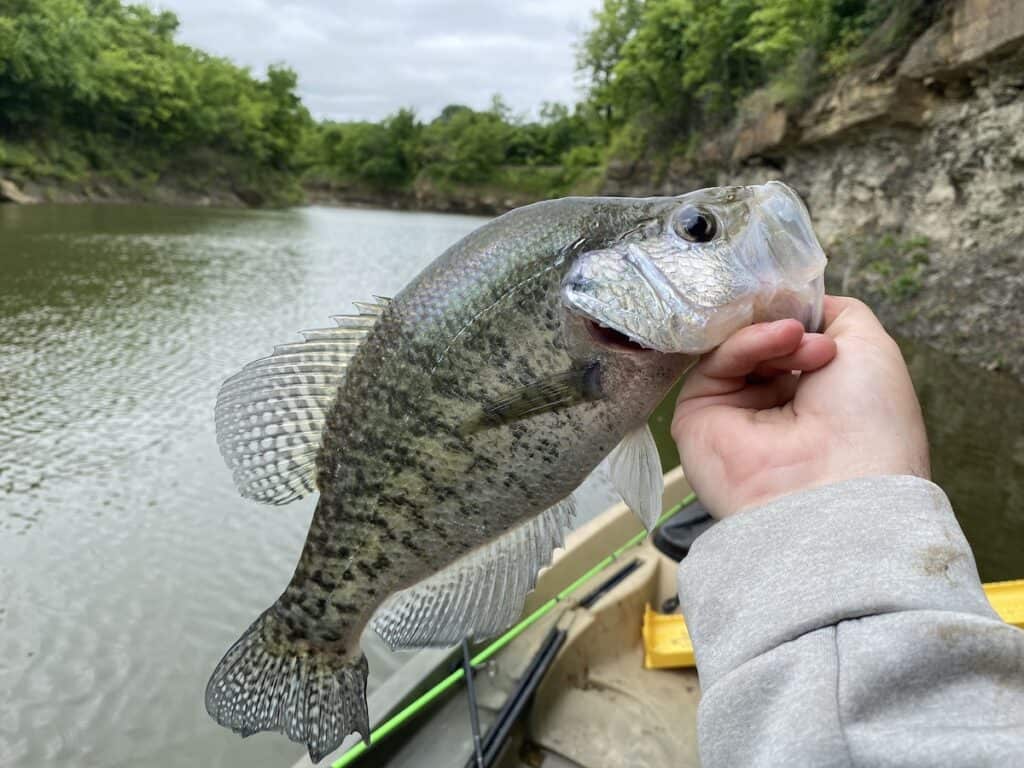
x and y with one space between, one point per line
859 548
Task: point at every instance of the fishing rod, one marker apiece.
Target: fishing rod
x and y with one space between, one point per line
415 707
519 698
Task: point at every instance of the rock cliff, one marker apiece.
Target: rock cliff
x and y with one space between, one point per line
913 171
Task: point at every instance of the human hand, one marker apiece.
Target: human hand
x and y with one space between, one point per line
749 430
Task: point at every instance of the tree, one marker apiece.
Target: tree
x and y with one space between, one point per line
601 49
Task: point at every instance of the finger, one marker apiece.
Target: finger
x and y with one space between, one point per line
843 313
761 396
836 305
853 321
741 353
725 369
815 351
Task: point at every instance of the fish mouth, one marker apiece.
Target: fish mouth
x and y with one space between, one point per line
613 339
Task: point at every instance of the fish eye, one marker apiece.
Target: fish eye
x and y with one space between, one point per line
695 225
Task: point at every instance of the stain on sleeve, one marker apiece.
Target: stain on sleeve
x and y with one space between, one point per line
937 559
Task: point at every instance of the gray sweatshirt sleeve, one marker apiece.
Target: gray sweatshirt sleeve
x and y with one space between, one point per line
847 626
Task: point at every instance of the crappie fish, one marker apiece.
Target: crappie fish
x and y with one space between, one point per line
446 429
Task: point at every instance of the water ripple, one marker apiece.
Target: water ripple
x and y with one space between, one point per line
130 563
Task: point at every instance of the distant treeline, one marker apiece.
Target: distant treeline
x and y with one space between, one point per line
94 89
660 73
460 148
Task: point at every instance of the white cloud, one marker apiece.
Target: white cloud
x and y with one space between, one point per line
364 60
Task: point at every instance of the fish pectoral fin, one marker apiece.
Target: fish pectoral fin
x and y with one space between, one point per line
270 415
553 393
479 595
635 471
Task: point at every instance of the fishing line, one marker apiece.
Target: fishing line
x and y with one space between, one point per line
412 709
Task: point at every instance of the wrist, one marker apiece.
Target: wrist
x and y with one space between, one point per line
850 549
778 482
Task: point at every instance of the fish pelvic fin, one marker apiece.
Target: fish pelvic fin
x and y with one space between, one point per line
635 471
314 696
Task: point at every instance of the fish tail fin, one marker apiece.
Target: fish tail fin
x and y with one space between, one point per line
315 696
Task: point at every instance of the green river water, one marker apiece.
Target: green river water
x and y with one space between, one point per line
128 564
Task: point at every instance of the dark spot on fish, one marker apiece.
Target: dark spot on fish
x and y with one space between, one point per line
325 583
486 462
397 500
410 544
591 380
329 551
321 608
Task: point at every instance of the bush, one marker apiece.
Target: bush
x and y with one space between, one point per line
681 66
92 85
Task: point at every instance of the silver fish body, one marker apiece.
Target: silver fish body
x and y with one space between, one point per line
476 399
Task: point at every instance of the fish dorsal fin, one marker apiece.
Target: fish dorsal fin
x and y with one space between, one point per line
635 472
270 414
479 595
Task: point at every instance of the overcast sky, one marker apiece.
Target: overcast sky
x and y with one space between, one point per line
365 59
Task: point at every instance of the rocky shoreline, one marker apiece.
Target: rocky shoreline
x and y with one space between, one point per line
423 196
102 192
913 171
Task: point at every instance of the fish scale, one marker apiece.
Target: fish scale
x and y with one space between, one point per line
476 401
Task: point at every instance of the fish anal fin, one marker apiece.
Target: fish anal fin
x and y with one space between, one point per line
479 595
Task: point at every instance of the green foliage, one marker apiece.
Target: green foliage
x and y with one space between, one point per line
682 66
97 90
93 89
464 145
461 146
776 29
600 51
108 83
380 154
629 142
899 263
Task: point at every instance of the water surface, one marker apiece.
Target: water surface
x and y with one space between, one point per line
128 564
